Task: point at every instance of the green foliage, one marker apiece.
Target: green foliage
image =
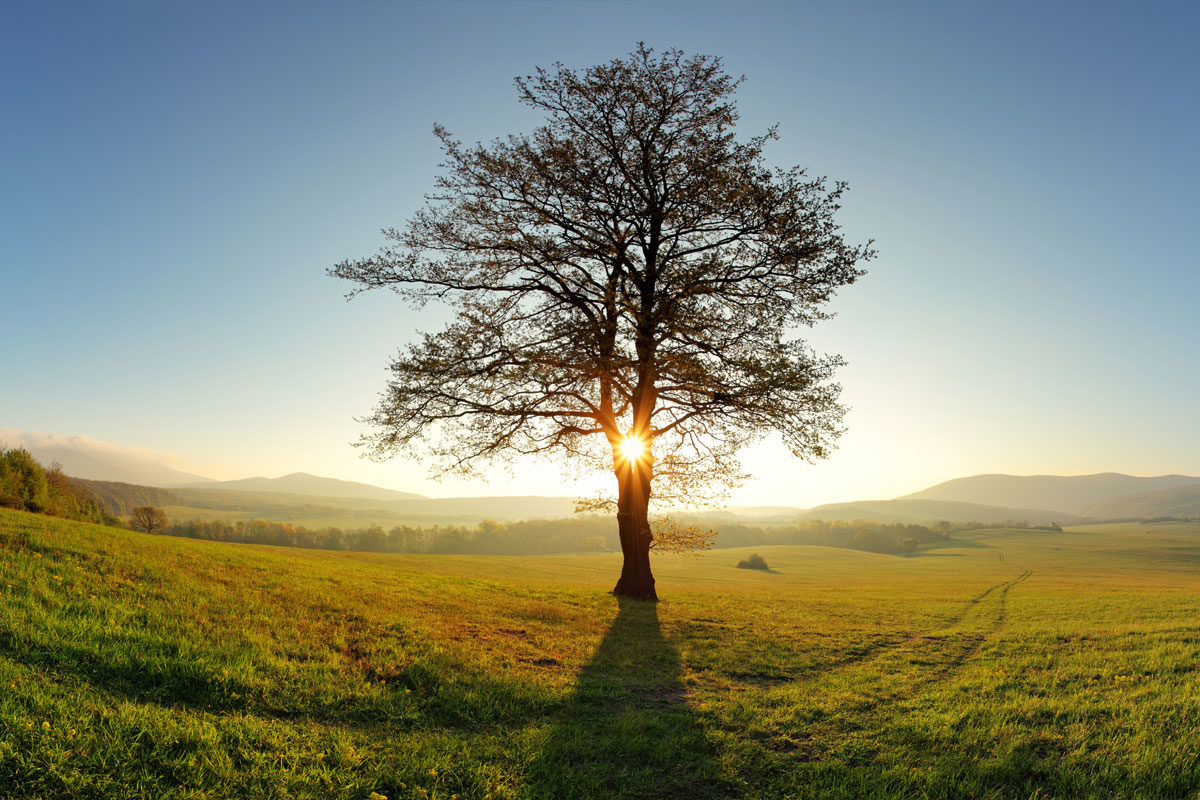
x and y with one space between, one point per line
23 478
24 483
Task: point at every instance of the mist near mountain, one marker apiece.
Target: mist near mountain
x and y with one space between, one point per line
1182 502
85 457
917 510
1069 494
984 498
304 483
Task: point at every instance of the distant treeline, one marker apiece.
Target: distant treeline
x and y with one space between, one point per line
1008 523
585 534
873 537
27 485
121 498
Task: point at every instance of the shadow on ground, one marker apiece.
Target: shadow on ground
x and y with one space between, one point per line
627 730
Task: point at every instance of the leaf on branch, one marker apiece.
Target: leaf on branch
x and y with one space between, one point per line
674 536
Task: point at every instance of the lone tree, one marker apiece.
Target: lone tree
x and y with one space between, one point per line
148 519
627 281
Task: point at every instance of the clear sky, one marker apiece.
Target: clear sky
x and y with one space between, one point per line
176 177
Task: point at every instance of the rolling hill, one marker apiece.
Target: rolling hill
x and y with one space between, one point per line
1069 494
1180 502
918 510
115 467
121 498
306 484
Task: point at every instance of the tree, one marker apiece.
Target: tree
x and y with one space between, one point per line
148 518
22 478
909 545
627 281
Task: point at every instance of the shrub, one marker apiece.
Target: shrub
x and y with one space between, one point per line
24 478
755 561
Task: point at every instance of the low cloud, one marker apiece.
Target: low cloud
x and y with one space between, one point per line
11 437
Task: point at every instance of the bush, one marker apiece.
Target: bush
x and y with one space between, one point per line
24 478
755 561
26 484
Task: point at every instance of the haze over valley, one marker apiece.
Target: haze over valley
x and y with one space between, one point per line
315 500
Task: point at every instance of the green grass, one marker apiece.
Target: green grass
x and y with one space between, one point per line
1007 664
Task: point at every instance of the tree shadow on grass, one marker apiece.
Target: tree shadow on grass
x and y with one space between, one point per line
147 672
627 731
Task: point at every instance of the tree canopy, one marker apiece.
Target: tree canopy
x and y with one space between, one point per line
629 271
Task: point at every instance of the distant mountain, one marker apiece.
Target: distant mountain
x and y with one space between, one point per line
110 466
1069 494
303 483
915 511
1181 501
285 499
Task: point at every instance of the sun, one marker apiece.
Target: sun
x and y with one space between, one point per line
633 448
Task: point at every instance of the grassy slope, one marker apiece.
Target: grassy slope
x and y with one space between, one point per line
1010 664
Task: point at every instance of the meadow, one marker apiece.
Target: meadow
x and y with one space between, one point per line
1000 664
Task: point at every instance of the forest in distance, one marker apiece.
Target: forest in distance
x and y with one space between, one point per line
592 533
27 484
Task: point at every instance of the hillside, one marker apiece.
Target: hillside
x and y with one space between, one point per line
1001 664
1069 494
303 483
110 466
319 511
121 498
216 501
914 510
355 508
1180 502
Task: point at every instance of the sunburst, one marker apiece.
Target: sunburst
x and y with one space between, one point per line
633 448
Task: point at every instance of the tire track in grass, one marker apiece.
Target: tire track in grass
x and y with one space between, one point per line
844 706
877 647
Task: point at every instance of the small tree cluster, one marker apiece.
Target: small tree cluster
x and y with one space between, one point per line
755 561
27 485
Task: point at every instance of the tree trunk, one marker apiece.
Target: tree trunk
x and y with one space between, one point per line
633 503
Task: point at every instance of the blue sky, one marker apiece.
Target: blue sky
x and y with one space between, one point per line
177 178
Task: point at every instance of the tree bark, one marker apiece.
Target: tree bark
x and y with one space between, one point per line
633 525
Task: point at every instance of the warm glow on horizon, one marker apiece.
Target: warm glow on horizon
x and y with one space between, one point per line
633 448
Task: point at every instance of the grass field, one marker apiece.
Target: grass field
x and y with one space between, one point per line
1005 664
